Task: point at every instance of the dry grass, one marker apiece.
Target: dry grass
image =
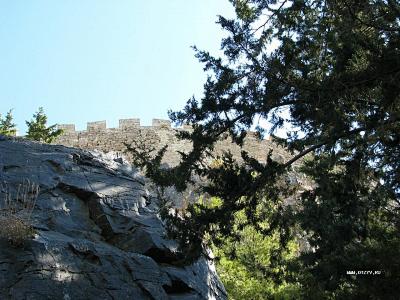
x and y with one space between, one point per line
16 210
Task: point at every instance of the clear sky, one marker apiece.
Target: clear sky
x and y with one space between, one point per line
92 60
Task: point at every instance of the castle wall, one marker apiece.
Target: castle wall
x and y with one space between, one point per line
98 136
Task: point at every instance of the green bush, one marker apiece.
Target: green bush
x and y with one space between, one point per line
38 130
245 265
7 127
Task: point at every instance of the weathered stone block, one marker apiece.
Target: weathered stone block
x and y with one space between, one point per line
67 128
96 126
161 123
129 123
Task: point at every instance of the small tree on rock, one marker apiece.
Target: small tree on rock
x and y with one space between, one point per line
38 130
7 127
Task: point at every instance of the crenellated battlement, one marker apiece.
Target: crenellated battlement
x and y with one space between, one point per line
67 128
124 125
98 136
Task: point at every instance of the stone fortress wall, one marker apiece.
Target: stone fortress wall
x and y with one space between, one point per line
98 137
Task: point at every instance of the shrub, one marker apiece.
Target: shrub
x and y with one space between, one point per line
7 127
246 265
16 211
38 130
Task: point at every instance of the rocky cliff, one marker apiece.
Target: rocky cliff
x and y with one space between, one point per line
93 231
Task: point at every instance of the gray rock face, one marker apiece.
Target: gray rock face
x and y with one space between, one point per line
97 236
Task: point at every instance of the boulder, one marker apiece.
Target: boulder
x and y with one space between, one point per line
96 235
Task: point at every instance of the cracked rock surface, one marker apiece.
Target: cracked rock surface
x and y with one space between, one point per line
97 236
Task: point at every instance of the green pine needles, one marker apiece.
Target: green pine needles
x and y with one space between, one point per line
38 130
328 72
7 127
37 127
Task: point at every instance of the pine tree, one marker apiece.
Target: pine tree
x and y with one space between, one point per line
38 130
333 67
7 127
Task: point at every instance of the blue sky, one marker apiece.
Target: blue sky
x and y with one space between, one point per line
92 60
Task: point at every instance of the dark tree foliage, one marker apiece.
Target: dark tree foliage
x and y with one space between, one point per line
334 67
38 130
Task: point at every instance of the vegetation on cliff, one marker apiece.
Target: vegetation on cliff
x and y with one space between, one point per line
38 129
245 266
7 126
328 72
